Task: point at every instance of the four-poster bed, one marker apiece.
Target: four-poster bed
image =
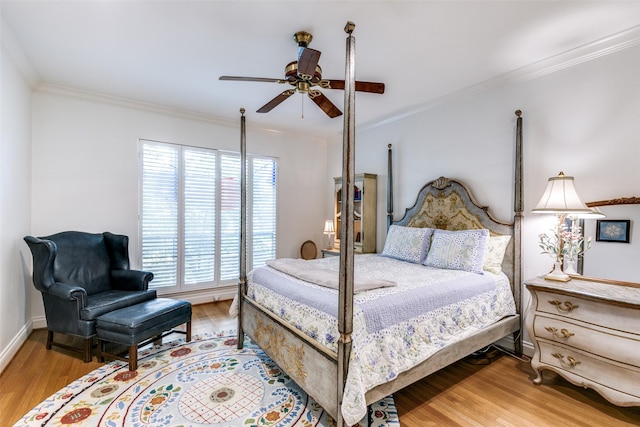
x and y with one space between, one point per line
404 325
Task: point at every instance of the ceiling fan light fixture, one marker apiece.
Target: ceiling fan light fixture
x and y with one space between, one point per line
303 86
302 38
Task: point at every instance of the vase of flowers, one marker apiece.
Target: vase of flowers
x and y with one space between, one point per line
564 244
575 246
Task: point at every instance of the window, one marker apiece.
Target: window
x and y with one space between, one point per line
190 215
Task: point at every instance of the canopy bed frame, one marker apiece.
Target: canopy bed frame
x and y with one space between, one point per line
322 372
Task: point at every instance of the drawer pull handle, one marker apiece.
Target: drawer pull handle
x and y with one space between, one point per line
570 363
562 334
568 307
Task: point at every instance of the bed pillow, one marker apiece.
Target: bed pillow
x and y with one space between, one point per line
495 253
458 250
407 243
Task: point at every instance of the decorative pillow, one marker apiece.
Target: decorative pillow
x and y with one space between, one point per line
495 253
407 243
458 250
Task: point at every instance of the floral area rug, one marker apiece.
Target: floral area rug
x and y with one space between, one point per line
206 382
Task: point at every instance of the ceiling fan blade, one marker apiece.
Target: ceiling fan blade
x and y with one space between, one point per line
307 62
251 79
276 101
371 87
325 105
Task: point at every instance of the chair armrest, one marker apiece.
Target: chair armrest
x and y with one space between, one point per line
131 280
68 291
44 253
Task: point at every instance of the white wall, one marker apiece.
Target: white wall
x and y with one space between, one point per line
85 167
614 260
15 207
582 120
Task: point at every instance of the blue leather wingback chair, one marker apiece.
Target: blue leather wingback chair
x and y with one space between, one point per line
82 276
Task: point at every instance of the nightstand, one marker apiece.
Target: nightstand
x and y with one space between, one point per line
587 331
330 252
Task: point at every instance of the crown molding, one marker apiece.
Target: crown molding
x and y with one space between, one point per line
602 47
154 108
11 47
585 53
129 103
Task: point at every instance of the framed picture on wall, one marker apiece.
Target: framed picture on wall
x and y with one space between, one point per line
613 230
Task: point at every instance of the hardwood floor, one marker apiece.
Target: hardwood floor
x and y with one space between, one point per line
497 394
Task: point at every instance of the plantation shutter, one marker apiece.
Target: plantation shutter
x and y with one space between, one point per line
159 216
263 203
190 215
199 216
229 216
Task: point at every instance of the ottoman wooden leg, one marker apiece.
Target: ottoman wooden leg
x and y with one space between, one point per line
99 349
133 357
88 342
189 331
157 340
49 339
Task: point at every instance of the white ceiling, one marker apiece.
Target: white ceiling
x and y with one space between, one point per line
171 53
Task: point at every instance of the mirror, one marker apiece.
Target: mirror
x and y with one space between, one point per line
615 246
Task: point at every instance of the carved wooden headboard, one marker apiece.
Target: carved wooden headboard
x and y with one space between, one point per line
448 204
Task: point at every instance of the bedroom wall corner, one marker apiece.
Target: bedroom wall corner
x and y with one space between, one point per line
15 205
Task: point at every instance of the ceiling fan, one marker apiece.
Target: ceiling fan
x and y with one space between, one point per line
304 75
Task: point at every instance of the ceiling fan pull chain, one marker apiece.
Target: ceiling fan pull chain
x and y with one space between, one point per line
302 106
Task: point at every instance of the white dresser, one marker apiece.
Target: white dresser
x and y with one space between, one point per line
588 332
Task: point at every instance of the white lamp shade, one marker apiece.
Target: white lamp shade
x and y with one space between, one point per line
328 227
560 197
594 214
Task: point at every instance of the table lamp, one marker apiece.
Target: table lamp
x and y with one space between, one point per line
328 230
560 198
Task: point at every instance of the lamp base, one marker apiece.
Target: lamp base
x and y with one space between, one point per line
557 274
329 245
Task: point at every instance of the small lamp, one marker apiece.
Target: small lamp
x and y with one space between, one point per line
328 230
560 198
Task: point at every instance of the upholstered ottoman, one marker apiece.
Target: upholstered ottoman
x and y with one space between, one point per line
140 324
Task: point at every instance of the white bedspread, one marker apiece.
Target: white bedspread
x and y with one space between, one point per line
310 271
394 328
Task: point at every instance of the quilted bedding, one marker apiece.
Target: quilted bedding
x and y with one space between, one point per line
394 328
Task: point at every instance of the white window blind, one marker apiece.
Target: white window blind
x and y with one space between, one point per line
160 213
263 200
229 216
199 216
190 214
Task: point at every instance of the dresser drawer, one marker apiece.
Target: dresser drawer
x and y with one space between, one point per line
608 343
593 370
605 314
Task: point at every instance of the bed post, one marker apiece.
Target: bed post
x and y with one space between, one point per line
517 232
389 186
242 283
345 292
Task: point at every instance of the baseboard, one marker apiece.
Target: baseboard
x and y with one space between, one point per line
39 322
205 295
508 343
196 297
12 349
